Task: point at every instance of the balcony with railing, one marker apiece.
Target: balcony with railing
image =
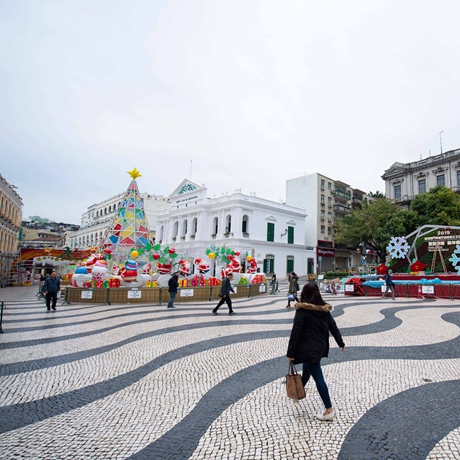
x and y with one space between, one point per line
341 193
341 209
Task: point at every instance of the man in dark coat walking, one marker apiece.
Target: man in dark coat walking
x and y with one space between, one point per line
51 287
224 293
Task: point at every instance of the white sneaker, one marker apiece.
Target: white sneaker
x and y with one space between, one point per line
329 416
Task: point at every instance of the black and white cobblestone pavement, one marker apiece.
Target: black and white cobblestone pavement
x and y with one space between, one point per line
146 382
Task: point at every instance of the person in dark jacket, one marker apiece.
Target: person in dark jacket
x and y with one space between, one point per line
390 285
293 288
309 341
224 293
172 288
51 287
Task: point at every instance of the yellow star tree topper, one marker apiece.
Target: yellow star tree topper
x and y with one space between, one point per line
134 173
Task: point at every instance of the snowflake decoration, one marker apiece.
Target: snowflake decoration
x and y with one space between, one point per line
456 259
398 247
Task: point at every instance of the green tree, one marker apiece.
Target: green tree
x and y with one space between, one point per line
376 194
375 224
439 206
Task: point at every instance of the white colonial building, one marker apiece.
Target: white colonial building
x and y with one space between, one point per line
273 233
97 219
403 181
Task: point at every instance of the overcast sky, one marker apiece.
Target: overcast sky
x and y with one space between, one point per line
254 93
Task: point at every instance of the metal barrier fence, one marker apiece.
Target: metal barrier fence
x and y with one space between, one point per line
409 290
158 295
1 317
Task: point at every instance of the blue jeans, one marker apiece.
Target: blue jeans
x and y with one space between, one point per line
172 295
315 371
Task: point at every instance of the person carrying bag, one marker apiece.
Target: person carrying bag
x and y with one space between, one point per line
309 341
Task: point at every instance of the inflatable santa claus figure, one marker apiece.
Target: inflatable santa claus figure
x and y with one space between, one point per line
201 266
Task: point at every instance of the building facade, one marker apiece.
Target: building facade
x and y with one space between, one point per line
272 233
10 223
404 181
96 221
325 201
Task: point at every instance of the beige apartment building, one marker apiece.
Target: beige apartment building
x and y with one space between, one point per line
10 222
404 181
325 201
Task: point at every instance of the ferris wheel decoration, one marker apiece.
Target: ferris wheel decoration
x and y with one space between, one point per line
455 259
398 247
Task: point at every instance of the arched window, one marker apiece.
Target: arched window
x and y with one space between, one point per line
175 229
228 223
194 225
184 227
162 230
244 224
215 225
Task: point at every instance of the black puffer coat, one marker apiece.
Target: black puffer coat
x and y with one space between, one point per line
309 340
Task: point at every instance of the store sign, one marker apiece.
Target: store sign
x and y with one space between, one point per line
325 252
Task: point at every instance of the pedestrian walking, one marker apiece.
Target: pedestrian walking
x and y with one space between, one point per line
309 341
334 287
274 284
293 288
224 293
51 287
390 285
172 288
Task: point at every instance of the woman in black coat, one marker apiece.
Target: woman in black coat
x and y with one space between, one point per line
309 341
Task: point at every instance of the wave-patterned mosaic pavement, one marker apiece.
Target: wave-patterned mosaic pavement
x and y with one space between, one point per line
146 382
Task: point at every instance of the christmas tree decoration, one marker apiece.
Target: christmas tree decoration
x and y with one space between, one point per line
129 232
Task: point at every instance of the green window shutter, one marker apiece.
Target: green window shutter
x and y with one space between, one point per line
290 235
270 231
289 264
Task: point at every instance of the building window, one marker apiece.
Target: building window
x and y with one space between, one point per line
289 264
397 190
244 226
323 199
228 224
322 215
441 179
290 235
329 200
422 186
329 186
329 230
269 263
270 231
323 229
